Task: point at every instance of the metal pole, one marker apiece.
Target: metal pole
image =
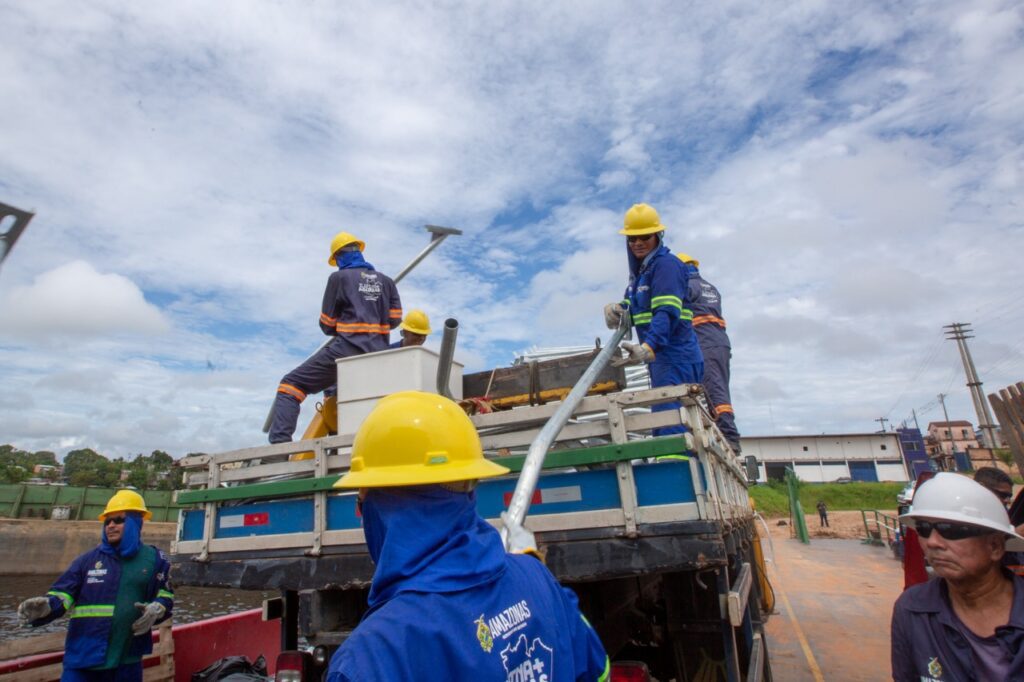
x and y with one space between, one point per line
949 430
10 235
444 360
528 477
958 332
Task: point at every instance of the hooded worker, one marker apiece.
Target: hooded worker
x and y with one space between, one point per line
113 594
360 308
447 602
704 300
654 300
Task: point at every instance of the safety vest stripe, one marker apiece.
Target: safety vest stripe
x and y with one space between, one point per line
165 594
94 611
685 314
642 318
672 301
708 319
292 391
362 328
605 676
395 312
723 408
65 598
678 458
328 320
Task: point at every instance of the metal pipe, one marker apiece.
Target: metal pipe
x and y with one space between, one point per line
447 353
528 477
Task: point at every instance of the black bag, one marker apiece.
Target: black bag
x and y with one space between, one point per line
233 669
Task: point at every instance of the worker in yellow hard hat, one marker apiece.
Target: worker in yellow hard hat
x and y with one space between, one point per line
444 590
114 594
655 301
415 329
360 308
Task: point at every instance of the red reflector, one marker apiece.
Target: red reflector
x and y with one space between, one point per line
630 671
291 660
534 500
260 519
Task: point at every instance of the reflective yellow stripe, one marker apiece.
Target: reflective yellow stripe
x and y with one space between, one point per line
671 301
680 458
642 318
165 594
607 670
685 314
94 611
65 598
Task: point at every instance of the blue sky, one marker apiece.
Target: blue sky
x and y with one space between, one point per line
849 174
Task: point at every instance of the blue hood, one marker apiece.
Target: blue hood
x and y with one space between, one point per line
428 539
131 539
352 259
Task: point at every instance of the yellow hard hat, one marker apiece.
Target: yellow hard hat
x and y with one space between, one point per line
417 322
416 438
687 258
641 219
126 501
343 239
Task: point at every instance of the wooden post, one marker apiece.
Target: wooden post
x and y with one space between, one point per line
1008 405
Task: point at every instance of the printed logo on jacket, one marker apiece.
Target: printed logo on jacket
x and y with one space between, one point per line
95 575
525 660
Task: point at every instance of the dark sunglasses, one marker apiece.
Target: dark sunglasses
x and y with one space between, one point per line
110 520
950 531
1004 496
640 238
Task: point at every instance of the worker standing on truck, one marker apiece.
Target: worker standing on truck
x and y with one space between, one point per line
655 299
415 329
360 308
968 624
114 594
447 602
704 300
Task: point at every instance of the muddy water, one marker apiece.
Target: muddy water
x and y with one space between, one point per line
190 604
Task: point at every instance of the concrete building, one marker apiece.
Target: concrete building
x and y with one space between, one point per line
829 457
949 444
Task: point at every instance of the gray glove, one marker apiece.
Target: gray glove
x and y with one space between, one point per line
151 613
520 539
636 354
613 314
33 608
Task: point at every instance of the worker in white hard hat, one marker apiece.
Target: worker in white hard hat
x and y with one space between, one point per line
360 308
655 300
113 595
414 330
447 602
968 622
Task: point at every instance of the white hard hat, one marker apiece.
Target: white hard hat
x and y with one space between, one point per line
952 497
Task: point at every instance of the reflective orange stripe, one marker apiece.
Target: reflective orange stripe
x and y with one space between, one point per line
395 313
708 319
719 409
362 328
329 321
292 391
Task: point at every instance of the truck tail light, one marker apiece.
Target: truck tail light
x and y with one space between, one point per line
630 671
293 666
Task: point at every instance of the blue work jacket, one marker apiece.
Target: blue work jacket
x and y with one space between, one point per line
928 645
705 303
656 296
448 603
360 307
87 591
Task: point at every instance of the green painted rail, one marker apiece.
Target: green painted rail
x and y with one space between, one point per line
26 501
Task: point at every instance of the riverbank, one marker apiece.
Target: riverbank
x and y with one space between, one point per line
44 547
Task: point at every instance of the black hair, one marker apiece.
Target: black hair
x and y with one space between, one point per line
991 476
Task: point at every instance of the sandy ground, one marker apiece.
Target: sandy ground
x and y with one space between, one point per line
843 525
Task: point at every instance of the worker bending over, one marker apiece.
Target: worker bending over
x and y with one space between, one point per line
655 299
447 602
706 303
415 329
113 594
360 308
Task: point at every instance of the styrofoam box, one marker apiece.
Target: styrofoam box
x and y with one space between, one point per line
365 379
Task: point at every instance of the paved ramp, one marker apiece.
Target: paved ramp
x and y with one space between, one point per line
833 605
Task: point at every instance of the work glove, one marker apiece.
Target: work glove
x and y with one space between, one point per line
33 609
520 539
151 613
636 354
613 314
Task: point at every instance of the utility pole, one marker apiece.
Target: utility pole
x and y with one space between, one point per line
916 425
882 420
949 429
959 332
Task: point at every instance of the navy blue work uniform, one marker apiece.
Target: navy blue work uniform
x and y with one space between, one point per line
448 603
98 592
360 308
929 642
655 297
706 303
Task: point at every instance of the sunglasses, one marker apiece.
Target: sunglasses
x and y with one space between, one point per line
950 531
641 238
1004 496
113 520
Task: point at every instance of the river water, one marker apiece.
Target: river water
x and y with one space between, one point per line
190 603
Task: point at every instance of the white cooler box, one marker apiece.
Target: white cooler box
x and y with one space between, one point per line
365 379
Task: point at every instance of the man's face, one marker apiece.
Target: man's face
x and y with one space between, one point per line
114 526
411 339
962 560
1004 491
642 245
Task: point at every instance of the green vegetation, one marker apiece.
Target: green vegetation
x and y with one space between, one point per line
771 500
86 467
